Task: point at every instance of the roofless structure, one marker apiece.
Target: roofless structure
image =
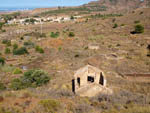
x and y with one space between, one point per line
89 81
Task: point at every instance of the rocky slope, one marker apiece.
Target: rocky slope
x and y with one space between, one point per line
119 5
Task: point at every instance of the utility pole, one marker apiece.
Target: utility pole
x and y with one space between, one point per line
41 23
41 27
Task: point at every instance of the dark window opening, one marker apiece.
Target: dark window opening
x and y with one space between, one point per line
101 81
78 81
90 79
73 85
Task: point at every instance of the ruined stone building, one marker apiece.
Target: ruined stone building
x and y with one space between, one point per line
89 81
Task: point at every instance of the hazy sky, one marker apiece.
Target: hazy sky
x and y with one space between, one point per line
41 3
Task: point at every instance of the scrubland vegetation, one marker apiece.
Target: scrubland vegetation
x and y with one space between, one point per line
82 10
105 15
31 78
2 61
54 35
36 68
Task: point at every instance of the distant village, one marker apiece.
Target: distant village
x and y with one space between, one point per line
40 20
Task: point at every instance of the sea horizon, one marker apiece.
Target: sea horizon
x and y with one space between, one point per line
24 8
11 9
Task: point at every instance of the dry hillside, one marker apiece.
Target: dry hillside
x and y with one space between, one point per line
119 5
121 52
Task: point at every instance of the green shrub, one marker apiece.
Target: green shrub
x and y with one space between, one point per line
7 51
2 86
7 68
17 84
17 71
29 44
8 109
3 30
71 34
60 48
72 18
39 49
31 78
50 105
139 28
30 20
43 35
54 35
15 46
137 21
86 47
20 51
115 25
122 24
2 61
1 25
7 42
37 77
104 16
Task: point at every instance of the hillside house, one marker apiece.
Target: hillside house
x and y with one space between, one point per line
89 81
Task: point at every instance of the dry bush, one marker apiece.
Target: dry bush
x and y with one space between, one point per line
82 108
125 97
50 105
9 110
121 100
60 93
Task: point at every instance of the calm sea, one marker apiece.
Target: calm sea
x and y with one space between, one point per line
9 9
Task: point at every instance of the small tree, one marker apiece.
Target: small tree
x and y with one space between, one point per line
54 35
115 25
71 34
17 71
39 49
2 61
2 86
16 84
7 51
3 30
15 46
28 44
139 28
20 51
31 20
1 25
7 42
31 78
72 17
137 21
